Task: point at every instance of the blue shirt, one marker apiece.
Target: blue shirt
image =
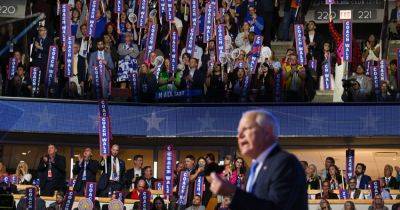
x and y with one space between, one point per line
257 26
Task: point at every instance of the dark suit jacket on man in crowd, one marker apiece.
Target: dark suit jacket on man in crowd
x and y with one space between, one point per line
280 184
105 176
57 181
91 170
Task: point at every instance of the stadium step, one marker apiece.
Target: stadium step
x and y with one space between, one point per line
279 48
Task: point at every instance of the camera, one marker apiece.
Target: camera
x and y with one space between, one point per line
348 83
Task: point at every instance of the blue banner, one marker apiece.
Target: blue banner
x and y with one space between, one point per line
170 10
119 6
383 75
30 194
69 200
103 108
174 56
312 64
375 188
142 19
97 82
198 186
12 67
69 56
151 40
255 53
183 187
119 195
350 163
194 15
35 77
14 179
52 65
246 84
161 8
94 4
159 185
220 41
144 198
368 67
329 1
343 194
347 43
90 190
278 86
133 78
376 79
190 41
326 74
65 25
169 166
71 182
300 43
104 135
208 23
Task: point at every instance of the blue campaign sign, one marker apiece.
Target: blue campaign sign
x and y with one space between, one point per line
41 116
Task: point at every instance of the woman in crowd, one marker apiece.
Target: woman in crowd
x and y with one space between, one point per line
334 178
215 83
371 49
324 205
240 86
242 39
313 180
158 204
147 176
349 205
147 84
75 22
167 80
239 173
23 174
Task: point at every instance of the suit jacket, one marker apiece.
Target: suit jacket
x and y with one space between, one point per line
331 195
82 69
199 77
392 183
364 182
107 77
91 170
57 169
105 176
40 204
280 184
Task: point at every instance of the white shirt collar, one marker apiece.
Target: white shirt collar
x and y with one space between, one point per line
263 155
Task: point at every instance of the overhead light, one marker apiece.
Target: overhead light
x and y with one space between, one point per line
22 161
76 155
129 159
24 153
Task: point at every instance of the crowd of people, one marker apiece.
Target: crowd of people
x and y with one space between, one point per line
201 75
51 175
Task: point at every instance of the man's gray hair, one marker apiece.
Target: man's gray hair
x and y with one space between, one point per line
265 118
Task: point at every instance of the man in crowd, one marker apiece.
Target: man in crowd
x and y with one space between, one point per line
362 179
329 161
389 180
132 174
276 179
40 204
196 204
40 51
52 173
256 22
113 170
59 202
354 191
190 167
104 57
79 70
85 169
326 192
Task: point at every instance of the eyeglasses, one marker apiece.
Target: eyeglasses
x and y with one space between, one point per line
158 203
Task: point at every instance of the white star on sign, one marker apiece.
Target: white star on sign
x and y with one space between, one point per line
153 121
207 122
315 122
45 117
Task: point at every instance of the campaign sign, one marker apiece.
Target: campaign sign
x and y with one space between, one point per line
12 67
69 56
375 188
51 65
90 190
104 135
198 186
174 51
183 187
220 41
190 41
300 43
347 44
92 17
350 163
30 194
69 200
144 198
169 166
142 13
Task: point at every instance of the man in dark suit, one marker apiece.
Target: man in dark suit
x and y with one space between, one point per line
40 51
390 180
326 192
193 77
52 172
85 169
353 191
276 179
132 174
40 204
79 70
113 172
362 179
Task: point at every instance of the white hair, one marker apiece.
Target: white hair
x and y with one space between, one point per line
265 118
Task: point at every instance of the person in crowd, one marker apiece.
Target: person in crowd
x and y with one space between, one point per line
211 166
101 56
256 22
238 174
363 180
394 81
378 204
265 82
147 175
40 52
75 21
83 42
3 169
22 172
328 162
389 180
134 173
79 70
110 47
385 191
258 133
101 21
295 76
113 170
40 204
324 205
290 8
140 186
128 52
194 173
168 80
363 90
240 86
371 49
58 204
52 172
354 191
85 170
349 205
385 94
193 78
242 39
313 180
224 205
314 40
196 204
334 178
147 83
326 192
21 85
216 82
112 33
158 204
227 172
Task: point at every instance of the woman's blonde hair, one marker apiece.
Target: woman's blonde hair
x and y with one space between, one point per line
22 166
